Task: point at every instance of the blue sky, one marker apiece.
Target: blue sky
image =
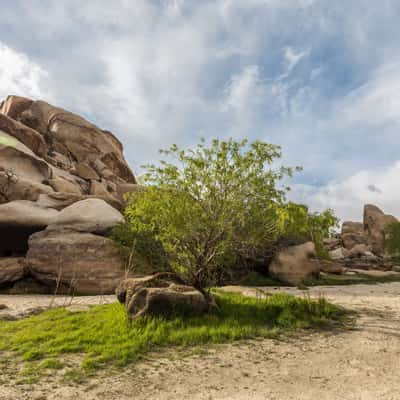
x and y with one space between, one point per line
320 78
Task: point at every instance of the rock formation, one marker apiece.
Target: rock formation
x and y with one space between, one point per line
292 265
62 186
160 294
361 245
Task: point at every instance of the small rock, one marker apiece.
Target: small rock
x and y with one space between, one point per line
396 268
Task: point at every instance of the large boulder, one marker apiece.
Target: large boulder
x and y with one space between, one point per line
87 263
160 295
29 137
96 151
13 106
292 264
12 269
18 220
90 215
375 222
53 160
353 234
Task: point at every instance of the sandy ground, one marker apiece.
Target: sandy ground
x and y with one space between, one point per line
358 364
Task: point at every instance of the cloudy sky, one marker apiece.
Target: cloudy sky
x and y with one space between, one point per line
319 77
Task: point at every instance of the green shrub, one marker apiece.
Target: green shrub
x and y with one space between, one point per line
392 239
216 209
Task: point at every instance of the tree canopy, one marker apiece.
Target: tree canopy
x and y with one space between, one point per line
213 206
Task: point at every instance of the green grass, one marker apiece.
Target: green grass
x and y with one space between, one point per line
103 335
256 279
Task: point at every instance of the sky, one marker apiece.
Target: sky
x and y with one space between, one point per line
321 78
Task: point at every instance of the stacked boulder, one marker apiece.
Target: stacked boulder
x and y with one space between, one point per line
361 245
62 186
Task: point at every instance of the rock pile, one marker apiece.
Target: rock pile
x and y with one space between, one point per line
62 181
361 245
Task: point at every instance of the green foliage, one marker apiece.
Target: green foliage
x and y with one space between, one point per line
149 255
300 225
216 207
212 206
103 334
392 239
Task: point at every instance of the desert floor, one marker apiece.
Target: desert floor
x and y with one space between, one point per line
361 363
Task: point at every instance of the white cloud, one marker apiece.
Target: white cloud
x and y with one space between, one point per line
19 75
347 197
378 100
293 58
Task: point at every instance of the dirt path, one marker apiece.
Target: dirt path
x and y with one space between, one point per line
358 364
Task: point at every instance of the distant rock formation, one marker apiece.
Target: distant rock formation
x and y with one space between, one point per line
361 245
62 186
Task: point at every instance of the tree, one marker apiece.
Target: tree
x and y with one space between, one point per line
215 207
211 206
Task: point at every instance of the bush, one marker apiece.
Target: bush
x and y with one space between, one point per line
216 209
392 239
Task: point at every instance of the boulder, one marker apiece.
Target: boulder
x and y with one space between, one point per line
80 139
87 263
22 173
160 295
60 184
11 269
360 250
291 265
60 200
329 267
332 243
396 268
13 106
18 220
375 222
29 137
352 234
338 254
90 215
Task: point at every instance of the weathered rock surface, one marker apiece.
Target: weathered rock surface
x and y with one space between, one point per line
18 220
375 221
12 269
292 264
90 215
160 295
52 160
88 263
338 254
352 234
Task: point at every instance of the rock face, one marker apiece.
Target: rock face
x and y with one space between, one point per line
160 295
90 215
18 220
361 245
292 265
62 184
87 263
11 270
353 234
375 221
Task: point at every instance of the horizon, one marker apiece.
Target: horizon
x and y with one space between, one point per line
319 79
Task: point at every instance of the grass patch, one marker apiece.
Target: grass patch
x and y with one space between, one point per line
103 335
256 279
